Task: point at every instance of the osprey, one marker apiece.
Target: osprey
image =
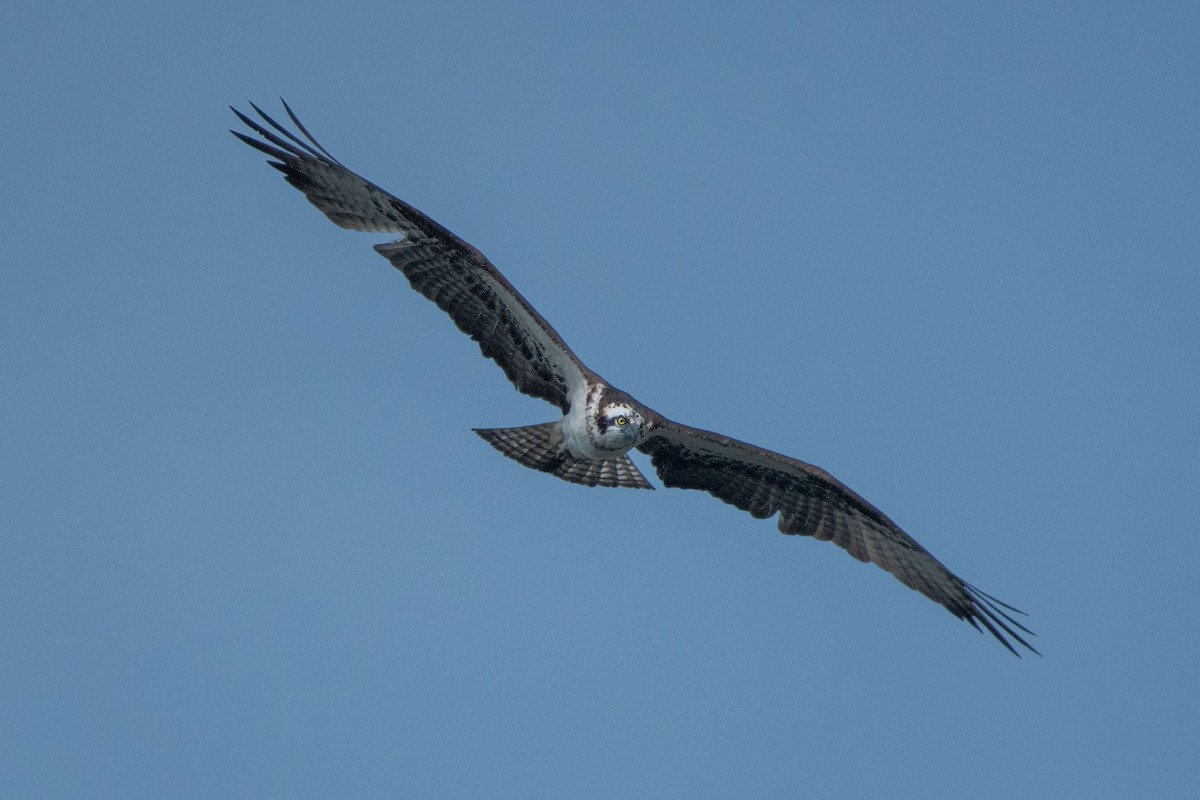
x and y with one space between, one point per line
590 444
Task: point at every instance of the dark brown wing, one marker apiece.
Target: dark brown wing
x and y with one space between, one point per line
438 264
811 502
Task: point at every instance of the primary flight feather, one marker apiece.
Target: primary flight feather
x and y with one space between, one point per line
590 444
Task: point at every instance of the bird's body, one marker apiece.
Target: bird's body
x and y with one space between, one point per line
603 423
600 424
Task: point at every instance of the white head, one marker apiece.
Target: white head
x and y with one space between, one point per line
618 426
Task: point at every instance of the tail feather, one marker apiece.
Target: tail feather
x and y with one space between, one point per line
543 448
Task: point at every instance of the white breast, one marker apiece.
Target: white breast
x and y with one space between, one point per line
578 420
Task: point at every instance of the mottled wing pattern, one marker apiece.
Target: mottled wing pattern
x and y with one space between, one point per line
438 264
811 502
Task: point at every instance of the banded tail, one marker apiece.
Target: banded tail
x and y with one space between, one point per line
543 448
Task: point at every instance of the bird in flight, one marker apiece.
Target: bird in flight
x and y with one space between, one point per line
590 444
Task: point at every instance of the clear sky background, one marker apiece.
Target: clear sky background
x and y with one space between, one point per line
250 547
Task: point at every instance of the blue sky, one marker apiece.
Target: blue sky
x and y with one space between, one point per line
946 251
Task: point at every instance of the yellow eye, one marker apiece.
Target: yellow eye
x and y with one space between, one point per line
621 421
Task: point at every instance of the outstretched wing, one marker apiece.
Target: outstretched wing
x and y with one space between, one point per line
438 264
811 502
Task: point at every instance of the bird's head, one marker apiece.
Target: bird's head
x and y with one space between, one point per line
620 425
